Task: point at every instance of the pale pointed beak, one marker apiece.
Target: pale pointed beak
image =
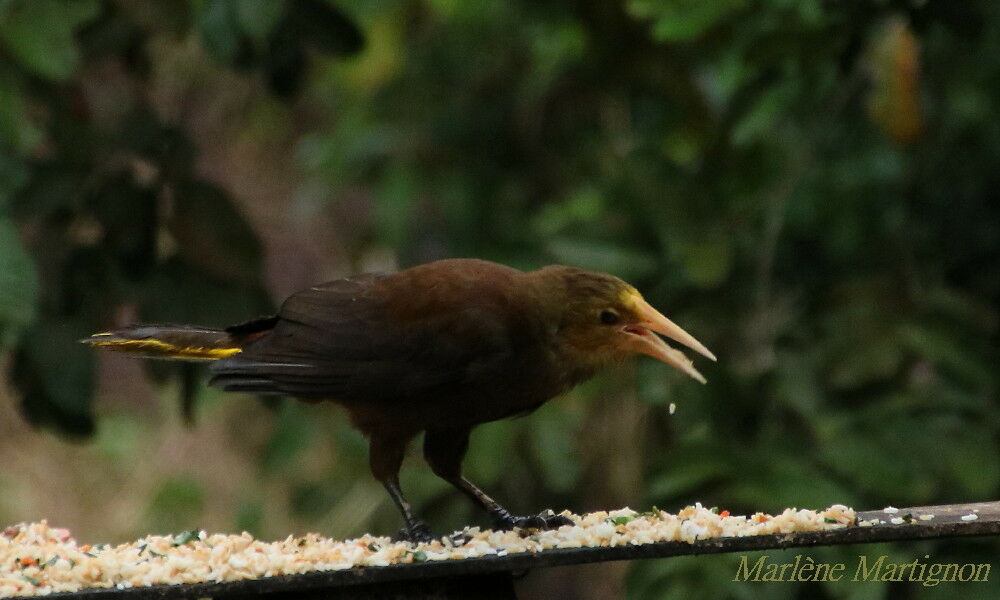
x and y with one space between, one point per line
641 339
651 319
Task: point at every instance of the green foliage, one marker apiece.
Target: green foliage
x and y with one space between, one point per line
39 33
14 132
18 285
292 434
212 235
55 374
274 36
250 517
773 174
114 209
175 504
684 20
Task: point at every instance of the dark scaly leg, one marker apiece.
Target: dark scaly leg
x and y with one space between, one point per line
385 458
444 450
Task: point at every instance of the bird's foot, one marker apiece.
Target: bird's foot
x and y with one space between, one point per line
415 532
543 520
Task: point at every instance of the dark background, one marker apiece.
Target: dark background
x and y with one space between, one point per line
808 187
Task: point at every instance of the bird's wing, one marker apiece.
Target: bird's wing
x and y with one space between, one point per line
343 340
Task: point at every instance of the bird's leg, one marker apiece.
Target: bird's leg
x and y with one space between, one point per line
385 458
416 530
444 450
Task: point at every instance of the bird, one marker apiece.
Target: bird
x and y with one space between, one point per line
437 348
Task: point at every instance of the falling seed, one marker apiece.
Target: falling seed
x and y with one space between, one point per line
673 407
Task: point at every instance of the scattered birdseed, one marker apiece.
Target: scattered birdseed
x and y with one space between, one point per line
970 517
896 520
36 559
925 517
890 510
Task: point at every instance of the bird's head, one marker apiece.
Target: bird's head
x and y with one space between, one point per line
602 320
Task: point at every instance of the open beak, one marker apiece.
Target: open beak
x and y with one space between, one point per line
641 339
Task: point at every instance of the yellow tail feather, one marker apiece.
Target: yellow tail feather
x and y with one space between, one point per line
151 347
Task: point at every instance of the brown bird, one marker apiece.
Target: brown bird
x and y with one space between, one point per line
438 348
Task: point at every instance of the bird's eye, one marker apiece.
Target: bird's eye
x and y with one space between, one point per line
609 317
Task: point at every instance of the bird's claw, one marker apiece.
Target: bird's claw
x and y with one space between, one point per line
416 533
459 538
544 520
557 521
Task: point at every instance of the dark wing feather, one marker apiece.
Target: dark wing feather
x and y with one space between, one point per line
343 340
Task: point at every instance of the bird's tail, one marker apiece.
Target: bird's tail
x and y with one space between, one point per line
181 342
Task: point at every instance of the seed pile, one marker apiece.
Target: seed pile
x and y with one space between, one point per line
36 559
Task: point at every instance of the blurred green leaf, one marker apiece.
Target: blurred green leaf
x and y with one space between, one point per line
165 297
312 500
583 206
782 476
683 20
17 131
394 210
258 17
172 507
707 261
627 263
941 348
221 30
322 24
250 517
868 359
884 451
488 448
55 189
213 235
686 474
292 434
14 175
765 116
18 285
39 33
969 456
55 375
119 437
554 435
